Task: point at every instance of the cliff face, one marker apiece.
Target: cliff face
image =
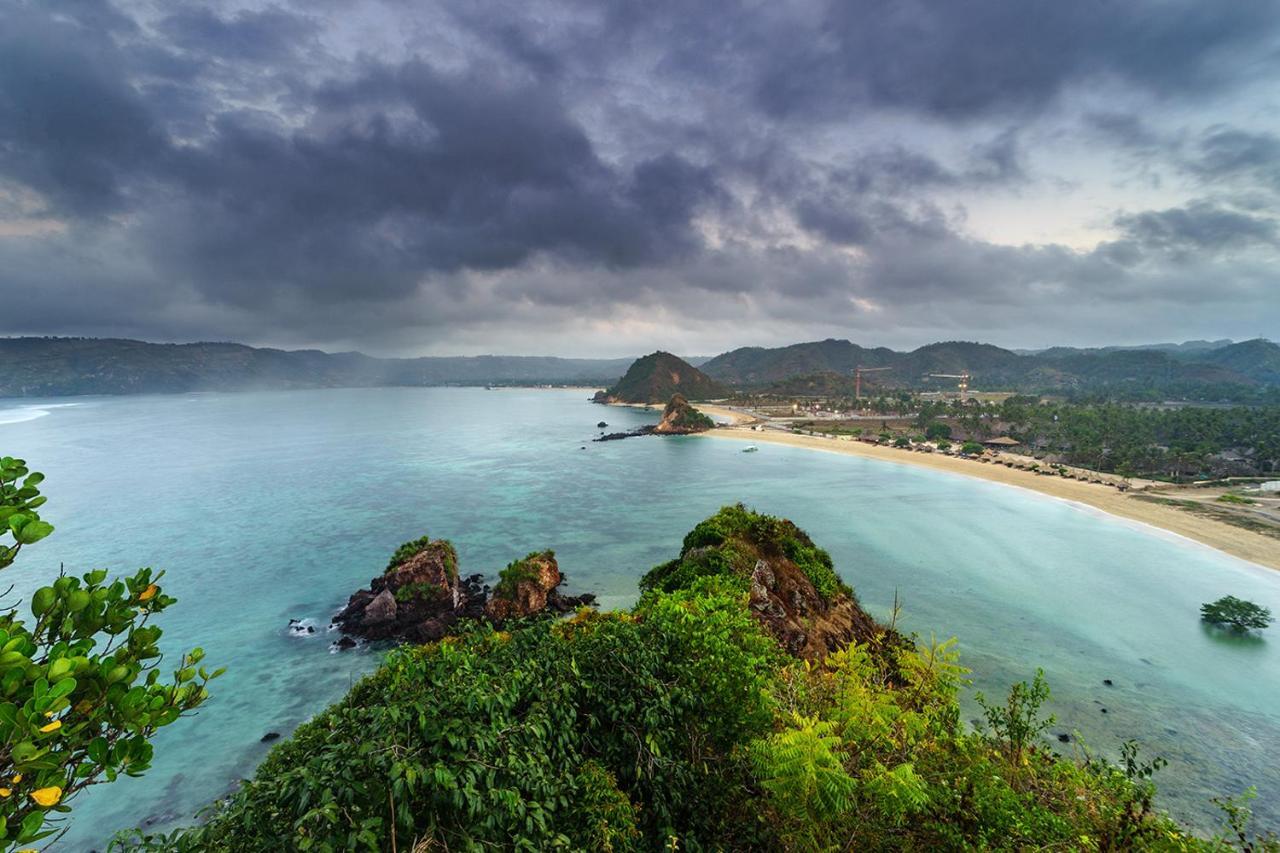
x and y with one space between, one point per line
793 589
658 377
680 418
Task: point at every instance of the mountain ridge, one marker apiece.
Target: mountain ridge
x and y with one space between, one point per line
66 366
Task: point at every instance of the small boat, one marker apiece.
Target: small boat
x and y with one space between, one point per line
751 449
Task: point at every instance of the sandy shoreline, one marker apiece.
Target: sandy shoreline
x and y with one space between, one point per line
1236 541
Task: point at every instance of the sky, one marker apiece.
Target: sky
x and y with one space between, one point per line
603 178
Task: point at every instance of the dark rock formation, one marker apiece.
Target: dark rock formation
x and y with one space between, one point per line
421 598
269 736
678 418
616 436
602 425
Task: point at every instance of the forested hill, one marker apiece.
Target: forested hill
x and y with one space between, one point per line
49 367
1211 371
654 378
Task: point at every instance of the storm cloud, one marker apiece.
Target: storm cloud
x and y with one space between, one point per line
564 177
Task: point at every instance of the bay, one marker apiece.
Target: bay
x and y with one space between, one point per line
270 506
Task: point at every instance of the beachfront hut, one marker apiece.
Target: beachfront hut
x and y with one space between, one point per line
1003 442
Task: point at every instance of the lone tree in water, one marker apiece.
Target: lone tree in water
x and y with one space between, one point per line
1236 613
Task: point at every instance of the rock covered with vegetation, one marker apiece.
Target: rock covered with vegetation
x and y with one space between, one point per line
659 376
792 586
421 597
530 586
418 598
680 418
687 722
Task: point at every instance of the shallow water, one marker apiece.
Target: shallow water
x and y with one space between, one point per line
269 506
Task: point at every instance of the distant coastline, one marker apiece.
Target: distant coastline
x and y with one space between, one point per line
1244 544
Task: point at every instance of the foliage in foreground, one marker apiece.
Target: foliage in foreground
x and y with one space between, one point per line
1236 613
680 724
80 687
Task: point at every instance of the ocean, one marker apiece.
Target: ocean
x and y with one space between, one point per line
269 506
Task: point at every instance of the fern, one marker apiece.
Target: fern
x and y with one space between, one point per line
801 770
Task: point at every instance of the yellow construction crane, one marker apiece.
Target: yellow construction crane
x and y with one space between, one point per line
857 379
962 385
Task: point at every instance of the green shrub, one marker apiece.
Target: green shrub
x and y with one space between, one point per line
1236 613
935 431
407 550
519 570
81 693
729 543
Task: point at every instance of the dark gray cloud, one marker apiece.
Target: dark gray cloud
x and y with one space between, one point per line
396 177
1200 226
1226 153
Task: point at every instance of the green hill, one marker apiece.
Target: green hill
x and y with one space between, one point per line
1234 371
659 376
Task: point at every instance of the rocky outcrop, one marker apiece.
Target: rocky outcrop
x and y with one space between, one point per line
680 418
418 598
792 586
530 586
421 598
805 624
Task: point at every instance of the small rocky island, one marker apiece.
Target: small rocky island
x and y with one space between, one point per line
421 597
678 418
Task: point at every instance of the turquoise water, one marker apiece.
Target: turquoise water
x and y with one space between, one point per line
269 506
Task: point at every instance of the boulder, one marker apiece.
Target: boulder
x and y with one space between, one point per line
382 609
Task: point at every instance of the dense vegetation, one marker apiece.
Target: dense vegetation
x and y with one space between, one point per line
681 724
1175 443
81 692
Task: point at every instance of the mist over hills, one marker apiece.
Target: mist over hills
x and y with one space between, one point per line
47 367
1122 370
50 367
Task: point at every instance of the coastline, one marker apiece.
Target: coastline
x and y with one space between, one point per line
1237 542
